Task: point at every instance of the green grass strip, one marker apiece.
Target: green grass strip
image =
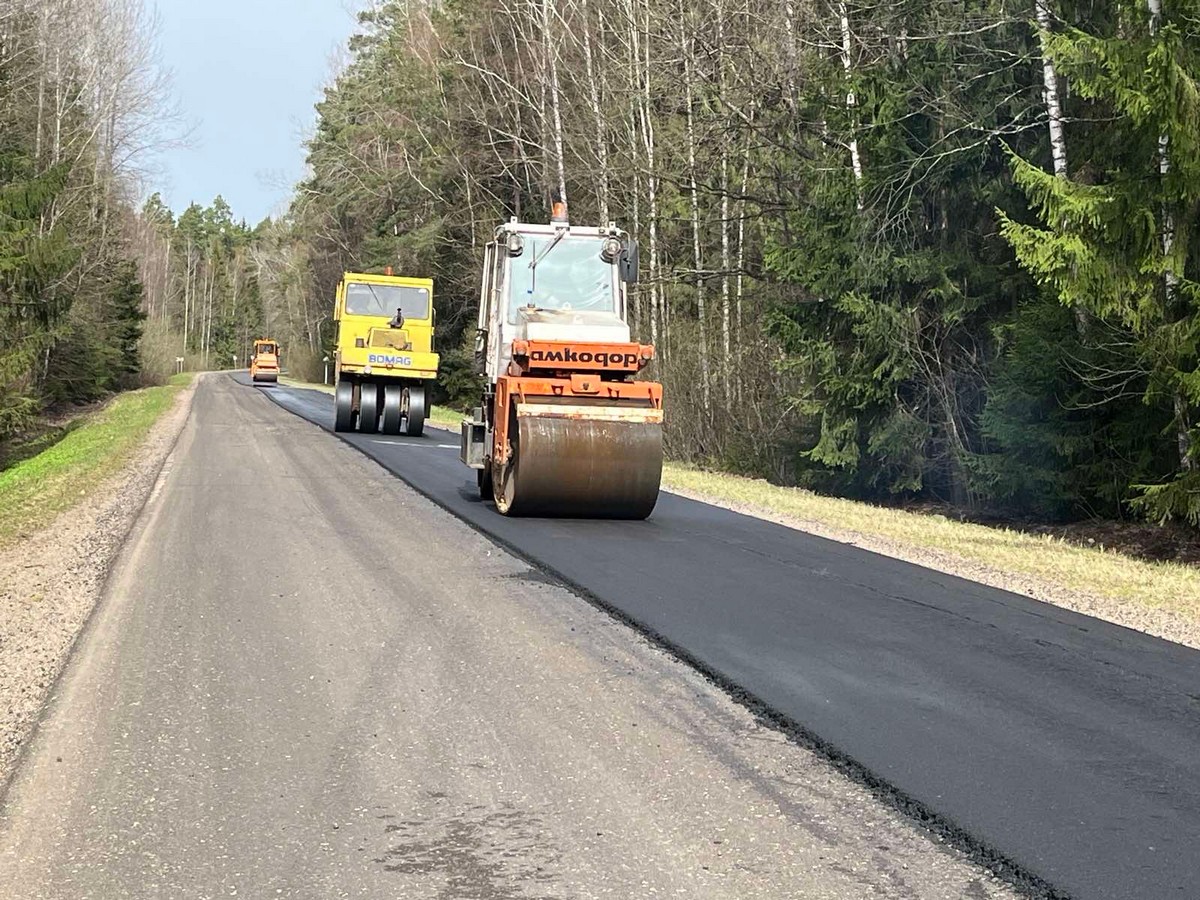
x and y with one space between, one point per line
34 492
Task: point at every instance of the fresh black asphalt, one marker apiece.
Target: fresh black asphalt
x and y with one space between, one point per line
1065 744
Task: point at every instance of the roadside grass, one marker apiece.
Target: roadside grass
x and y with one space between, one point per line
1095 571
444 417
37 490
1086 570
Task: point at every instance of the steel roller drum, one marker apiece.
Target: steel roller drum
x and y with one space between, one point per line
587 463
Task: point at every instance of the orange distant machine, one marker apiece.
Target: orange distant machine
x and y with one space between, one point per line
264 365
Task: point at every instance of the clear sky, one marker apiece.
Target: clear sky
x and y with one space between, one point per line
246 75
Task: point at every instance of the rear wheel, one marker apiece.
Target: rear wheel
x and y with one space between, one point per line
414 411
368 409
483 478
393 408
504 478
343 404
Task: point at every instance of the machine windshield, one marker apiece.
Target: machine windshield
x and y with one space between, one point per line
363 299
572 276
266 348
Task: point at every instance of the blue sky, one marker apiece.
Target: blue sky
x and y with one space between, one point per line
246 74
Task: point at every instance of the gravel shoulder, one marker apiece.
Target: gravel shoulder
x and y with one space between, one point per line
50 582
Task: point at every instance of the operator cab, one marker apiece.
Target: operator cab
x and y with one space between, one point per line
553 282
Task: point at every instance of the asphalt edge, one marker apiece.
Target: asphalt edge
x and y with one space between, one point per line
917 812
112 565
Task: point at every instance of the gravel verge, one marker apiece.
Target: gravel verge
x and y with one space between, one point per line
1163 623
50 582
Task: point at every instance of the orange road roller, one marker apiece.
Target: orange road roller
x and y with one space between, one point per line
565 427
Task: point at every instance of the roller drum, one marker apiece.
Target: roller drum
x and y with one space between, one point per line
582 468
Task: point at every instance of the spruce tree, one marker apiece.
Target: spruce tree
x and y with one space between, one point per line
1117 237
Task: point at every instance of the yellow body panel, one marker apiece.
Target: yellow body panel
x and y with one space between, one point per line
367 346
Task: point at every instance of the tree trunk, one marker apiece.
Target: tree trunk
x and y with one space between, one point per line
1050 93
697 258
1183 430
555 101
851 102
594 98
739 284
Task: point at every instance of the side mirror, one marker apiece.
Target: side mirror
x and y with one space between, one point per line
628 262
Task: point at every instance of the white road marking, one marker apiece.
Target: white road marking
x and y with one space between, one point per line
408 444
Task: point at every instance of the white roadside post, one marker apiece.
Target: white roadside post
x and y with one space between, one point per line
326 361
179 365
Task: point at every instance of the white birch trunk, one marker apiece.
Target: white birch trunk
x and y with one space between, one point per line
725 254
594 99
1183 432
851 102
555 100
1050 92
697 258
739 284
657 313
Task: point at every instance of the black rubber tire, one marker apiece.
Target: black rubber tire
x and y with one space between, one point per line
393 409
414 411
343 404
368 408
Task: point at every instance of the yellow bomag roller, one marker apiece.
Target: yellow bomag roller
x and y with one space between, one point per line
384 361
564 428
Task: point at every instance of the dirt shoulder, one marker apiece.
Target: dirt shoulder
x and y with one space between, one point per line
50 581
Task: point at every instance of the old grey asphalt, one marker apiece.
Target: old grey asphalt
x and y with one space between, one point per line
1066 744
306 680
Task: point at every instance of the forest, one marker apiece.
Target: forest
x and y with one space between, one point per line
899 251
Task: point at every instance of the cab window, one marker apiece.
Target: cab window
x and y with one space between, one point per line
382 300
